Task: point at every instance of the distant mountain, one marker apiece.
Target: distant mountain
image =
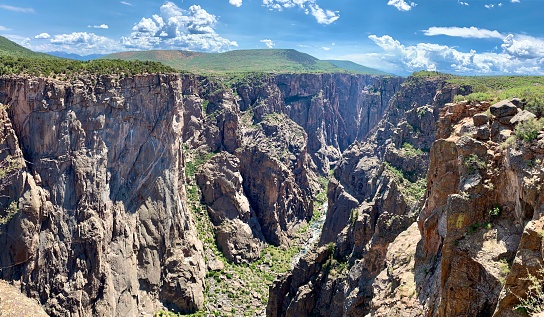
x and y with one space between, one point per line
357 68
76 56
11 48
260 60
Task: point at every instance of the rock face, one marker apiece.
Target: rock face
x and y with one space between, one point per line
373 198
287 130
102 227
479 223
100 223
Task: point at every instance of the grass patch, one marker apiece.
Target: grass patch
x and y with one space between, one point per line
412 191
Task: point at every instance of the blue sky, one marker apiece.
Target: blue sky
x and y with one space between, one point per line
474 37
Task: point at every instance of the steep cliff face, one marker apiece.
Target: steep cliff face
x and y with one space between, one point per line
102 227
334 109
101 224
287 130
373 197
482 218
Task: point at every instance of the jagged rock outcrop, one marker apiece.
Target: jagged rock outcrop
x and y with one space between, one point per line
481 216
238 232
102 226
286 132
371 202
334 109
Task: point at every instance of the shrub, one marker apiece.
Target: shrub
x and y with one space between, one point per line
528 130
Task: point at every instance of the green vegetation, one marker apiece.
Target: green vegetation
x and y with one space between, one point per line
476 226
410 151
55 67
15 59
495 88
504 268
533 302
244 61
528 130
355 68
9 48
473 164
241 289
412 191
495 211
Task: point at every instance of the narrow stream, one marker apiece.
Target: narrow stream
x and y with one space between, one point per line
315 230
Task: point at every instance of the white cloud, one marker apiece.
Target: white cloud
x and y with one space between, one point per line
489 6
82 43
326 48
323 16
514 1
42 36
518 57
401 5
269 43
17 9
462 3
126 3
523 47
470 32
500 4
101 26
175 28
236 3
3 28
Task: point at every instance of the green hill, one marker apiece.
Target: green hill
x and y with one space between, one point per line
356 68
9 48
261 60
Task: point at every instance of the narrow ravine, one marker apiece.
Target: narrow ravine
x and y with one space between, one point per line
315 231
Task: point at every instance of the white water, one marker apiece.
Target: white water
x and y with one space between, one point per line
315 229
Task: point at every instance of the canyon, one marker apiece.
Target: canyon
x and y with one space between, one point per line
124 182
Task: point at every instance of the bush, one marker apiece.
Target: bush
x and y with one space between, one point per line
528 130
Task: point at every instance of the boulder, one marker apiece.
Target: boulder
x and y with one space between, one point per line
503 109
480 119
522 116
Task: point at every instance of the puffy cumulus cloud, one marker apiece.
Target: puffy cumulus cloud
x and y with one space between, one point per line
401 5
523 47
269 43
471 32
435 57
462 3
236 3
489 6
101 26
322 16
175 28
42 36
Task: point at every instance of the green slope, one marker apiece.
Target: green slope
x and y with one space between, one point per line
356 68
9 48
262 60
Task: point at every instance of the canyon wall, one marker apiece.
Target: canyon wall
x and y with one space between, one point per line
96 215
